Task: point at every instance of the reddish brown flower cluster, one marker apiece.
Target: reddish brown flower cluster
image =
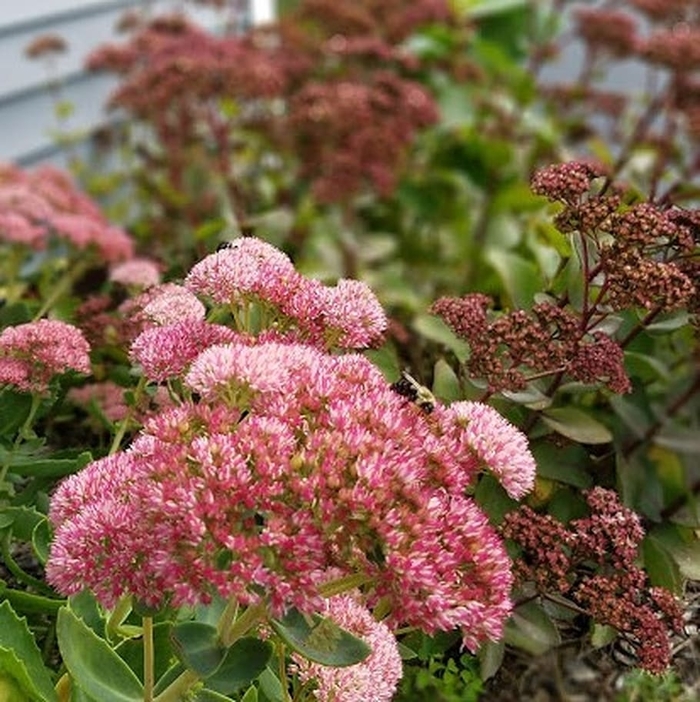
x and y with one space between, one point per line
662 9
566 182
609 30
175 63
392 20
559 558
677 47
350 114
509 349
646 254
45 45
350 131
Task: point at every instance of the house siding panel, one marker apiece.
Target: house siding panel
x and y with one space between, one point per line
28 125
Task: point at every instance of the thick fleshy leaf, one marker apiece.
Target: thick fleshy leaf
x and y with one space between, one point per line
680 543
197 645
659 565
15 410
520 277
131 651
577 425
531 629
320 639
85 607
50 467
479 9
564 464
41 540
490 658
243 663
435 329
93 664
20 659
271 687
206 695
251 695
446 383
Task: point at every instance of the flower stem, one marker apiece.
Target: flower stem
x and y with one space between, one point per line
148 654
250 617
61 287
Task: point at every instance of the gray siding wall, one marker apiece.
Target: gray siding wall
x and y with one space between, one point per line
28 124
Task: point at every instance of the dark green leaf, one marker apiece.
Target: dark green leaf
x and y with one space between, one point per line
131 651
15 410
41 540
520 277
531 629
243 663
50 467
198 646
566 464
20 658
93 664
577 425
320 639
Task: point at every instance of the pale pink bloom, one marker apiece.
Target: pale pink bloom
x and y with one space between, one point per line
164 352
95 482
352 315
249 269
372 680
136 272
17 228
500 446
46 348
451 570
236 370
174 303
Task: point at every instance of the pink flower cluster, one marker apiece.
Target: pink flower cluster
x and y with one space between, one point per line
32 354
347 315
292 463
36 206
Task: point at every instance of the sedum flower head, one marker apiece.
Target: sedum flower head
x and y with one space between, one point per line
137 272
174 303
248 268
292 463
167 351
498 445
32 354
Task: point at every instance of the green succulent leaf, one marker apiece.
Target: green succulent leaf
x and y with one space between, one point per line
320 639
21 666
93 664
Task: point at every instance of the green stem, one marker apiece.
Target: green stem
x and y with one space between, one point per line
344 584
124 423
228 617
247 620
148 657
118 615
175 692
283 672
61 287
